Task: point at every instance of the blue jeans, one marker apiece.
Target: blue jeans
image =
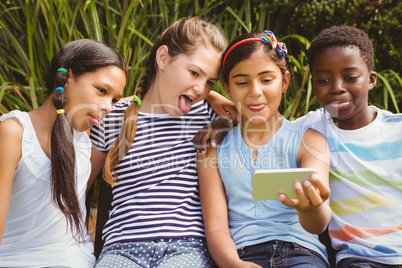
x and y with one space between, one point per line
282 254
163 253
362 263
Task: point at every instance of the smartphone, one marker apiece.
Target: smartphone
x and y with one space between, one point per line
268 183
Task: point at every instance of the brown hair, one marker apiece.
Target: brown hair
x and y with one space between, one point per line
184 36
79 57
245 50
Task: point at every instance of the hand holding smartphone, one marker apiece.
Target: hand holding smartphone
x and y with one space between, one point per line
268 183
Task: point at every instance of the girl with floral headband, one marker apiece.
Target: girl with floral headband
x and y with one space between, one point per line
240 231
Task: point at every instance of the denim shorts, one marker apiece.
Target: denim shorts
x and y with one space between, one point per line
162 253
278 253
363 263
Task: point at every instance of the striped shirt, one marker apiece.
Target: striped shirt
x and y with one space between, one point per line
366 186
157 192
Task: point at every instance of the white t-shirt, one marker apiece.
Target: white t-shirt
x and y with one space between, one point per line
366 186
36 233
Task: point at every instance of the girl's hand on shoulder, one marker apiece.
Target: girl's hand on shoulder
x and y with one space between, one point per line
223 107
228 111
312 194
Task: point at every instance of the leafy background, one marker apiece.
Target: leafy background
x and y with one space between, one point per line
32 31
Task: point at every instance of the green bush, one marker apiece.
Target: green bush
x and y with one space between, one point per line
32 31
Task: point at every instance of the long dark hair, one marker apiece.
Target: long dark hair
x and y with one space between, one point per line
183 36
79 57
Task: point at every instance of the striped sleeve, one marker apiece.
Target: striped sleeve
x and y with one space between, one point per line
157 191
105 134
97 137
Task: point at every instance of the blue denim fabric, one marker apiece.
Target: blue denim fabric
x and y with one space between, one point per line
282 254
362 263
163 253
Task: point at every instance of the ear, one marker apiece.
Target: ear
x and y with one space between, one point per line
372 80
162 56
286 81
70 76
226 88
312 84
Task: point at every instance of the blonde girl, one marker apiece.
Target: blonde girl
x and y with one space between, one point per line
156 218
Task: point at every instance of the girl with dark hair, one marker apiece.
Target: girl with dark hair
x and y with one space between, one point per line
45 159
156 219
243 232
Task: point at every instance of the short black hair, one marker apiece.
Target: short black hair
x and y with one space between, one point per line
342 36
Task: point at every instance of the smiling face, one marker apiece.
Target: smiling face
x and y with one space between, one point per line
341 81
256 86
90 96
182 81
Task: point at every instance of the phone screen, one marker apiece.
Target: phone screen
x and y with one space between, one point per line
268 183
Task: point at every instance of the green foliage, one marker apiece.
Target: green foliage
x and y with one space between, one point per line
32 31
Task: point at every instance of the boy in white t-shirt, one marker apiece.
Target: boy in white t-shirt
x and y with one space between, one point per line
365 143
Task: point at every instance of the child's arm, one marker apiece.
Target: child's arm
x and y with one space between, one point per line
214 210
222 106
97 162
313 208
216 131
10 153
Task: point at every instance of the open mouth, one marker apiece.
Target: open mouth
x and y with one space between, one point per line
185 103
94 121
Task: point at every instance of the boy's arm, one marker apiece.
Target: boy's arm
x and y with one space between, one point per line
10 153
214 210
215 132
312 204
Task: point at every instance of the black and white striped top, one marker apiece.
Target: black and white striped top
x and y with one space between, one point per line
157 192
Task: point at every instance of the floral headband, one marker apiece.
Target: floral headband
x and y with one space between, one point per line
268 38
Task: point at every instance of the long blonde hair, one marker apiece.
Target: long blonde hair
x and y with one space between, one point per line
184 36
